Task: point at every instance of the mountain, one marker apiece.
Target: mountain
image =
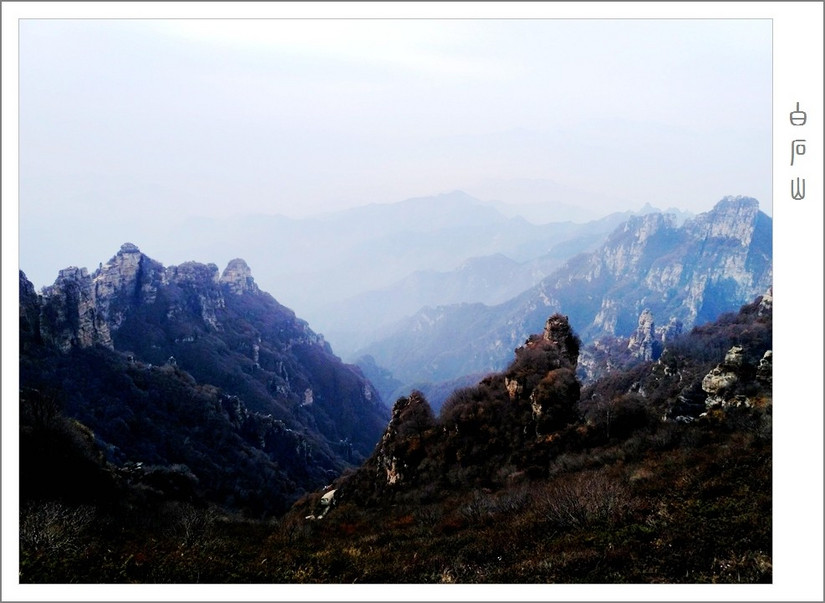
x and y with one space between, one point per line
691 273
652 474
184 365
324 264
488 279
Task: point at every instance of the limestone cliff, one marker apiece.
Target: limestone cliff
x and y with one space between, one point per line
684 275
643 339
69 315
238 277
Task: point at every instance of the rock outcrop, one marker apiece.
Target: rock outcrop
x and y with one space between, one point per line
720 382
238 277
86 310
399 450
764 371
643 339
670 331
69 316
735 380
557 330
29 314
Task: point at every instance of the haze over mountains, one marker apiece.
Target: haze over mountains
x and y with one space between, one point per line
351 272
691 273
435 329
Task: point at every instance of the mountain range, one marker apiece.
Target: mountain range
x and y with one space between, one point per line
384 261
689 273
178 424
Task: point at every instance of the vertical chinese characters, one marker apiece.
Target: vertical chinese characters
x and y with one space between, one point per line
798 118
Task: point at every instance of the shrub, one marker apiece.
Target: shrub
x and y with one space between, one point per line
584 499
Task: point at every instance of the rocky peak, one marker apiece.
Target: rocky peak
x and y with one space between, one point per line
119 272
69 316
28 296
411 416
238 277
643 339
193 273
198 282
29 311
731 218
128 273
721 383
557 331
639 229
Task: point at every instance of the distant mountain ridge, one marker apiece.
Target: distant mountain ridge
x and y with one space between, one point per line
322 265
713 263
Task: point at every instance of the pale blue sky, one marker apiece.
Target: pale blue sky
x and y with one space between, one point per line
124 123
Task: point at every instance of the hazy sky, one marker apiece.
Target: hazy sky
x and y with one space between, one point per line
128 122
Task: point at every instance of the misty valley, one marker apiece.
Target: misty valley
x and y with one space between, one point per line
420 392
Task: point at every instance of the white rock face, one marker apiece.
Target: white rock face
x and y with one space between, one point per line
670 331
309 397
733 220
642 339
719 382
70 317
624 254
195 278
326 503
238 276
607 316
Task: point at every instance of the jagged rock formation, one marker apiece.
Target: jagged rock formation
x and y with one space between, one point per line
642 340
69 315
608 354
503 417
670 331
558 332
238 277
727 383
515 423
223 331
400 447
764 371
626 472
29 315
720 381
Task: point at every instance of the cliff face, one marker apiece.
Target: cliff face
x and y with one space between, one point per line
221 329
684 276
713 263
70 316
